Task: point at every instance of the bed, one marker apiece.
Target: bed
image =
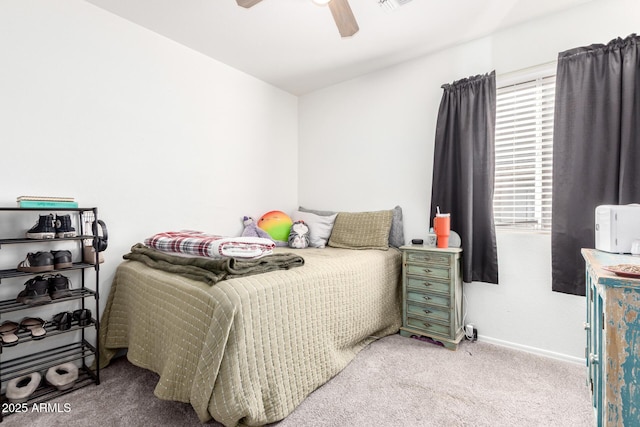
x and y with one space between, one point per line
248 350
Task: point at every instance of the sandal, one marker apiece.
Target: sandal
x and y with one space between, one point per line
8 335
35 325
63 320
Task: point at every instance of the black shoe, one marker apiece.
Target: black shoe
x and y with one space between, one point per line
83 316
58 286
36 292
63 320
37 262
63 227
44 228
62 259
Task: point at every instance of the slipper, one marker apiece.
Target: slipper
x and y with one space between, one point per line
63 377
8 335
19 389
35 325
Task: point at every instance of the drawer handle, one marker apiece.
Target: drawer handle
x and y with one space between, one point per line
426 270
428 325
426 311
426 283
426 298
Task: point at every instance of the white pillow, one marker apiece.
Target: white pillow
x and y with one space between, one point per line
319 227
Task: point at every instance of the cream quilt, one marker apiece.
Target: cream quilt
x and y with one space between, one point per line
247 351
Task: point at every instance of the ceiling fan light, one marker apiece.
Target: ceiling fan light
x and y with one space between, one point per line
321 2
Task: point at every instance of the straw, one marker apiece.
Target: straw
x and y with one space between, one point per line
438 210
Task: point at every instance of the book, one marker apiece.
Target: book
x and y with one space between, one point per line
45 199
46 204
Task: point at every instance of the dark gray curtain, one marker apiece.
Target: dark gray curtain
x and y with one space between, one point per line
596 148
463 171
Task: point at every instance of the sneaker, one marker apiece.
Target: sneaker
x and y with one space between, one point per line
59 286
63 227
62 259
36 292
37 262
44 228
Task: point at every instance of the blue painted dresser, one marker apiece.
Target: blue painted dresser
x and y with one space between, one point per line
613 339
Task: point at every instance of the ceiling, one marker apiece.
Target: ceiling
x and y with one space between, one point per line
295 45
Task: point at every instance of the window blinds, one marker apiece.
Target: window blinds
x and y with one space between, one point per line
523 153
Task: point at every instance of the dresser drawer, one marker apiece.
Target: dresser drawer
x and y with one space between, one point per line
426 285
429 312
431 299
429 257
428 271
428 326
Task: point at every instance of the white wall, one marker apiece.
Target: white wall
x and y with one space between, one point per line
368 144
156 135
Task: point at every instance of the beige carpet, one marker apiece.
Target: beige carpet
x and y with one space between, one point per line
395 381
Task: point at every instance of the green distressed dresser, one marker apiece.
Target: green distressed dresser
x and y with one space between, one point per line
432 294
613 339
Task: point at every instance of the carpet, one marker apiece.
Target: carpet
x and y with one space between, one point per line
395 381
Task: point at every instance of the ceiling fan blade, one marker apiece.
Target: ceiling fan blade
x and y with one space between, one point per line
342 14
247 3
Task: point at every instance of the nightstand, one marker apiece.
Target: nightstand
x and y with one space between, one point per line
432 294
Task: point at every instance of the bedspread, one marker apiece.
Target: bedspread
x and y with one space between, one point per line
247 351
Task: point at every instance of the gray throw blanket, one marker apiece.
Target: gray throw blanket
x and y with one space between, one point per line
211 271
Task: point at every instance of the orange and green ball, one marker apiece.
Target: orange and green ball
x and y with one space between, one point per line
277 224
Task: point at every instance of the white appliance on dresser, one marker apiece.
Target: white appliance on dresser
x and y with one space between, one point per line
617 226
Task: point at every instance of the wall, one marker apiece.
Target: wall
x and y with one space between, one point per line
156 135
368 144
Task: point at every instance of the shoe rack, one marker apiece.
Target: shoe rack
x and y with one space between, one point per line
57 352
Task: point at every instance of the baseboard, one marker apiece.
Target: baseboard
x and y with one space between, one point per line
533 350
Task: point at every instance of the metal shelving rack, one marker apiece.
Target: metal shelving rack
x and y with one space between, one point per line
81 350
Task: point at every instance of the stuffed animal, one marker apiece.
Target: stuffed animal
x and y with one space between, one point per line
252 230
299 235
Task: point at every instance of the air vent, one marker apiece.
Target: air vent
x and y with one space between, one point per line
390 5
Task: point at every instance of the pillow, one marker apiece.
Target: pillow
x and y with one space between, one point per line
319 227
362 230
396 235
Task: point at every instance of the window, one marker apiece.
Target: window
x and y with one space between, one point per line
524 150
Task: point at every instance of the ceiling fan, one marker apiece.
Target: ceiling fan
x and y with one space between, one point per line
340 9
